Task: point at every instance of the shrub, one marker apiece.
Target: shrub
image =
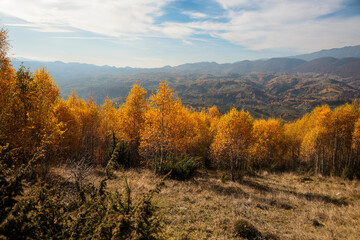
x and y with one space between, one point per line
111 147
121 154
224 177
244 229
92 212
65 210
182 167
346 173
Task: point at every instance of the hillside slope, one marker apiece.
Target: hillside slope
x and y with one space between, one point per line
264 95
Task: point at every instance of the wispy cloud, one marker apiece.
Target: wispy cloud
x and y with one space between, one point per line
188 42
85 38
253 24
107 17
292 24
196 15
41 27
175 30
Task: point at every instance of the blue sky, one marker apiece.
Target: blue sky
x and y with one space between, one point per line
154 33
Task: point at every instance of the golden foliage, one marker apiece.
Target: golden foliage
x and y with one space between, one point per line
169 127
268 147
27 117
232 141
131 115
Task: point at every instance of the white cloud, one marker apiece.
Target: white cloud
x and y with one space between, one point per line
187 42
195 15
114 18
292 24
237 3
299 25
175 30
84 38
254 24
40 27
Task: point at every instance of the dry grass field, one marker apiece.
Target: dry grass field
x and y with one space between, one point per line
279 206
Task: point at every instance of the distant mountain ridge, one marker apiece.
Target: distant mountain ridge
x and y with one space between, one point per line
345 52
345 67
323 61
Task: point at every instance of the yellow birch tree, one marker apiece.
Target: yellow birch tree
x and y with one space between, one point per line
231 144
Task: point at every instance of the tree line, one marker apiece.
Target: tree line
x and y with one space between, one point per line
156 130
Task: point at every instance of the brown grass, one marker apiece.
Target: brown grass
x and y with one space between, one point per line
280 206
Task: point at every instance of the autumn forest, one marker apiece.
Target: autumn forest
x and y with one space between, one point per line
155 131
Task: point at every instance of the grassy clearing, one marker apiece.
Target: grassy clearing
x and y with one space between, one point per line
280 206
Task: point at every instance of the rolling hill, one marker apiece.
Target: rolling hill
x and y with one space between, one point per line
277 87
268 95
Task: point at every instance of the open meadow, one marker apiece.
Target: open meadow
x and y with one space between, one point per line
279 206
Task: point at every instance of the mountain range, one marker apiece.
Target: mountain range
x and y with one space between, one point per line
345 52
277 87
344 62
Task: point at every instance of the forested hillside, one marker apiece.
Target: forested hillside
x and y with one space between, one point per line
264 95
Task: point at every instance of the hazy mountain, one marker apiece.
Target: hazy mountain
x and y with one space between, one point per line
345 67
69 72
345 52
318 62
271 65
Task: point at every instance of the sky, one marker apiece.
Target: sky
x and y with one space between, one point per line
155 33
